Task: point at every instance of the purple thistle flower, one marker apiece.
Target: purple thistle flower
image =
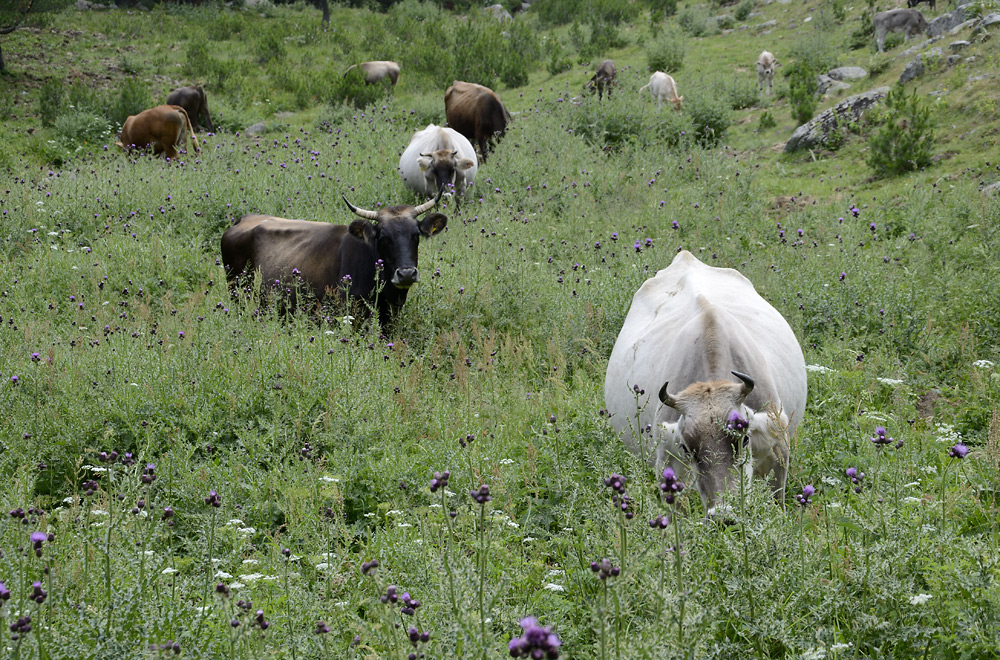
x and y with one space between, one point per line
4 592
369 566
222 589
605 569
736 423
482 495
805 498
537 642
213 499
959 451
440 480
321 628
881 437
671 486
37 593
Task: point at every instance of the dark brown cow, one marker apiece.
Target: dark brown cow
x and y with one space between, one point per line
376 71
192 99
477 113
605 78
162 128
374 258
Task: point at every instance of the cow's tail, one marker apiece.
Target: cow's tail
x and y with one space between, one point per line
645 87
190 129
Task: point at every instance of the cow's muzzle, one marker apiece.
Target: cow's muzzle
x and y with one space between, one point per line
404 278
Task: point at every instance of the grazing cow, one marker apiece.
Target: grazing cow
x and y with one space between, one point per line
605 78
913 3
436 159
374 258
688 329
164 128
907 21
477 113
376 71
192 99
765 71
663 88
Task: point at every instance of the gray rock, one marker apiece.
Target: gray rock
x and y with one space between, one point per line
848 73
499 12
256 129
962 26
982 76
953 60
946 22
838 86
956 46
816 131
525 6
765 25
985 23
912 50
917 65
84 5
992 189
824 81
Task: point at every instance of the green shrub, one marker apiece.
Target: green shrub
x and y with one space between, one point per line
710 118
864 34
802 86
78 127
743 10
559 59
905 136
268 46
604 36
224 25
558 12
50 101
666 52
742 92
133 97
661 8
766 121
614 126
696 21
196 58
350 89
483 53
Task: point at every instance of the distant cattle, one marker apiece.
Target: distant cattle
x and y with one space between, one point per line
605 78
192 99
164 128
689 331
907 21
376 71
438 159
373 260
765 71
663 88
914 3
477 113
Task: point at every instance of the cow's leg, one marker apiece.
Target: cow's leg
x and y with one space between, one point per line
483 146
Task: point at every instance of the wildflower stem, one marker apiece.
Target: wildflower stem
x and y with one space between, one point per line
944 499
291 639
680 583
107 546
481 560
602 613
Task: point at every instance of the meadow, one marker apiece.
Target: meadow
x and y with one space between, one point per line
193 476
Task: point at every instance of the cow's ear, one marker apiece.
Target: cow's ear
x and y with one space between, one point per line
363 230
424 163
466 164
433 224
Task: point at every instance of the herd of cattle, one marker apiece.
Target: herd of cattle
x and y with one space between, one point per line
688 329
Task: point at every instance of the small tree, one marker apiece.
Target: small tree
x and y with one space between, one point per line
14 12
905 139
802 86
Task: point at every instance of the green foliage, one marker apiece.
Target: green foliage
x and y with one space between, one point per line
50 101
696 21
742 92
766 121
133 97
661 8
710 117
78 127
269 46
559 58
620 123
488 53
802 86
351 89
743 10
904 140
863 36
666 52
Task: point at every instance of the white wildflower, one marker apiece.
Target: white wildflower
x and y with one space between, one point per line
813 654
251 561
929 469
506 461
555 572
322 567
237 585
169 571
567 529
247 531
983 364
68 500
819 368
841 647
329 480
347 320
222 575
889 381
527 539
341 603
369 515
830 481
435 506
251 577
511 523
393 512
912 484
234 522
404 525
269 578
98 512
97 468
149 553
911 499
552 586
920 599
833 505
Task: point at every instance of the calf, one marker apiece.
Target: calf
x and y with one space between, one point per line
192 98
765 71
663 88
605 78
164 128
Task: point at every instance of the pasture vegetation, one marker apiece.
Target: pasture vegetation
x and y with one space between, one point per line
188 475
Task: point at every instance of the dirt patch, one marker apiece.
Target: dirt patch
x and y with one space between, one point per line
786 203
926 403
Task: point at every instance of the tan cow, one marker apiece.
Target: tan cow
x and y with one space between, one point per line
376 71
663 88
162 128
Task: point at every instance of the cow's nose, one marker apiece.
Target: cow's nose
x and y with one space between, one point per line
406 277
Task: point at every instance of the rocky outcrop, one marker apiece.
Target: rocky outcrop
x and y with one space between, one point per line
499 12
917 65
986 23
847 73
952 19
816 131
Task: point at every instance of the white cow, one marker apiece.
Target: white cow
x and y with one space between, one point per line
689 328
376 71
663 88
765 71
438 158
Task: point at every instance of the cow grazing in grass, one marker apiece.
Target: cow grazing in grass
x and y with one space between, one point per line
729 373
913 3
192 99
663 88
605 78
907 21
376 71
765 71
438 159
164 128
373 260
477 113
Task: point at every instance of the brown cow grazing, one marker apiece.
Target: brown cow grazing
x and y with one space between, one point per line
605 78
192 99
376 71
162 128
477 113
374 259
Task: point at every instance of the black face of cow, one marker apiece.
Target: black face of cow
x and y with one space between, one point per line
395 234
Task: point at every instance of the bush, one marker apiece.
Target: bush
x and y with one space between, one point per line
269 46
864 34
559 59
666 53
696 21
742 93
661 8
905 137
133 98
709 118
50 100
614 126
351 89
766 121
802 86
743 10
482 53
78 127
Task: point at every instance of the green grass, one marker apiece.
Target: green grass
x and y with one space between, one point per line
322 438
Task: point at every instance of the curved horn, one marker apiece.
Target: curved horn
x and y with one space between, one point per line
427 155
426 206
665 397
747 384
361 213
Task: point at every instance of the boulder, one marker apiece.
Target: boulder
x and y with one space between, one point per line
765 25
912 50
846 73
946 22
992 189
916 66
499 12
985 23
816 131
953 60
824 81
256 129
956 46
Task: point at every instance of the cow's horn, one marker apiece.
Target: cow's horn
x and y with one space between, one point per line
361 213
428 205
665 397
747 383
